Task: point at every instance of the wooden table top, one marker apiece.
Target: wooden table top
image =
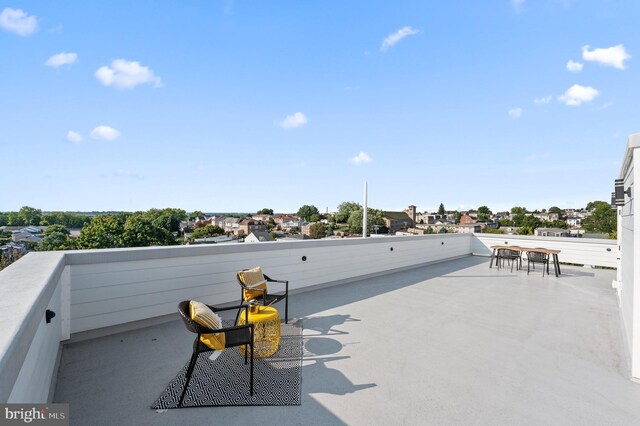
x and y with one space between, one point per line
526 249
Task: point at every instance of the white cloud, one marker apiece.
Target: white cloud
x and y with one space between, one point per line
105 133
17 21
361 158
611 56
517 4
515 112
74 137
292 121
125 74
392 39
544 100
577 94
574 66
61 59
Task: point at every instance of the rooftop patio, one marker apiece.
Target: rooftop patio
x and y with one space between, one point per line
451 342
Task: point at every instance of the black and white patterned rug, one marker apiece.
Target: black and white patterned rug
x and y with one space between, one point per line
277 379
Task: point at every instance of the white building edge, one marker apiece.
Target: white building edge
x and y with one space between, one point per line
628 278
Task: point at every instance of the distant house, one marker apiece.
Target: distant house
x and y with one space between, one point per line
231 224
305 228
20 236
284 218
466 219
396 221
551 232
258 237
247 226
262 217
574 221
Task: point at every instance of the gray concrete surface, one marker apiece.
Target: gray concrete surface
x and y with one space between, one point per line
452 343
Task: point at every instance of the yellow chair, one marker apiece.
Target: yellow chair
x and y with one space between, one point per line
254 287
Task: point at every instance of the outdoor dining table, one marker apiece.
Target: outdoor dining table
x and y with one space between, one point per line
552 253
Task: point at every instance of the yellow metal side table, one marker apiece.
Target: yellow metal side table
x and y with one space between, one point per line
266 329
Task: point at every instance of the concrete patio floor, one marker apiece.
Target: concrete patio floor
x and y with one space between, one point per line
450 343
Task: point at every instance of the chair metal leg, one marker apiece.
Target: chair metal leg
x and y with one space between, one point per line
528 266
192 364
286 309
251 374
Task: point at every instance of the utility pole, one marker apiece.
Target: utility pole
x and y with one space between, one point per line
364 213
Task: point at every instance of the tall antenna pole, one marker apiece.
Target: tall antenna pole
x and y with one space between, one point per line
364 212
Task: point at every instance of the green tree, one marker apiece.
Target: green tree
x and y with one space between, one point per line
14 219
68 220
315 218
429 230
518 210
556 210
30 216
558 224
592 205
56 238
317 231
484 213
265 211
492 231
524 230
104 231
196 215
602 219
5 237
56 228
207 231
374 220
140 230
345 209
168 218
518 219
441 209
531 222
305 212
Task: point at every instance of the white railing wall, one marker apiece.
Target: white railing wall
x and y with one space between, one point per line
584 251
29 346
629 270
111 287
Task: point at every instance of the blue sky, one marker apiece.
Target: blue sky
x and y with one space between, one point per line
240 105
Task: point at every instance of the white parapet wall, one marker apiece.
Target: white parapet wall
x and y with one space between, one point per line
111 287
629 270
29 346
583 251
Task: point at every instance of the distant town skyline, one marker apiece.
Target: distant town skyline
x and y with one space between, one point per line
238 106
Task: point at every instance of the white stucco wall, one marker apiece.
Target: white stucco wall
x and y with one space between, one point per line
629 240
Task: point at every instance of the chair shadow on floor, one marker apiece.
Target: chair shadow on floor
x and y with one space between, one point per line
326 325
318 351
